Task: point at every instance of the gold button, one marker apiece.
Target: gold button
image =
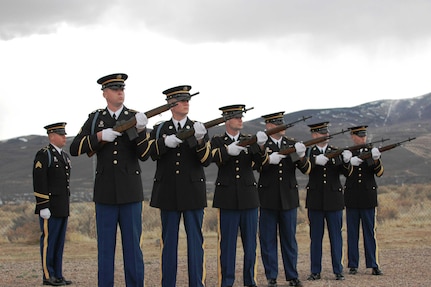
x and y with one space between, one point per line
280 178
237 176
178 153
177 172
280 171
237 168
324 181
177 163
115 161
360 181
115 152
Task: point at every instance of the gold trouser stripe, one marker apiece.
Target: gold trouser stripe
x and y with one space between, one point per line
204 271
375 237
218 249
45 247
161 252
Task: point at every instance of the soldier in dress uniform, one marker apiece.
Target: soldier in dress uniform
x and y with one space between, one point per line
236 196
279 201
51 178
360 196
325 202
179 188
118 192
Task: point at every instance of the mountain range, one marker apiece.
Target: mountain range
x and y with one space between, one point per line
396 120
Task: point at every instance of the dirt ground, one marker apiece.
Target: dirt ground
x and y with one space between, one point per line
404 256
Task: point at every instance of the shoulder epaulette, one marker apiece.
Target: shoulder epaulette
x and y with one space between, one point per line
133 111
96 111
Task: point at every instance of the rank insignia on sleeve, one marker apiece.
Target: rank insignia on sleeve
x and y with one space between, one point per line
38 165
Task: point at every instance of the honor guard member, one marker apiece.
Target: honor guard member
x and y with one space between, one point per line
360 196
236 196
179 187
325 202
279 201
118 192
51 179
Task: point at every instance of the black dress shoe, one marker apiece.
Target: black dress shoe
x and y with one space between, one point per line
377 271
313 276
339 276
353 271
295 282
68 282
54 282
272 283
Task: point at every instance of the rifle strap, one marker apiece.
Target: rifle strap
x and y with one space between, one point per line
93 123
308 152
159 129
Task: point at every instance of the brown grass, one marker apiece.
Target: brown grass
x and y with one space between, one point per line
404 238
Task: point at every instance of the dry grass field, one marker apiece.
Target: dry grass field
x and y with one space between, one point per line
404 238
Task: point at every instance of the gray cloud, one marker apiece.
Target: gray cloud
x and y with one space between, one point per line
226 20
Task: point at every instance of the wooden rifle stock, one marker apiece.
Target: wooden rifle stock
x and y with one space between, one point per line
310 142
337 152
368 154
127 125
251 140
185 134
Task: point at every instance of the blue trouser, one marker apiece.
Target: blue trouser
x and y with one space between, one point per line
285 221
334 221
52 238
193 220
368 219
229 223
129 218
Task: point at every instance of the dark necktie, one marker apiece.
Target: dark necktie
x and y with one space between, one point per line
179 126
114 116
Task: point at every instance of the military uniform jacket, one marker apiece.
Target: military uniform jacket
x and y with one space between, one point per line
179 181
51 178
361 187
118 173
324 189
235 186
278 187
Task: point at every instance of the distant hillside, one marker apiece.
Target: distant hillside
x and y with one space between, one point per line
394 119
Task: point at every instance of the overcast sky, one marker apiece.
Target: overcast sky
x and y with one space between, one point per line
273 55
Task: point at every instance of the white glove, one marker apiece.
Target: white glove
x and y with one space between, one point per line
234 149
300 149
261 138
347 155
200 130
141 121
275 158
109 135
321 160
375 153
172 141
355 161
45 213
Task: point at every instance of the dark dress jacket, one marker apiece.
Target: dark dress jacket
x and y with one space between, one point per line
278 187
324 188
179 180
51 178
118 173
235 186
361 187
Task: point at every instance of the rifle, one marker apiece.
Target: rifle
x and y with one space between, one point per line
251 140
127 125
310 142
368 154
337 152
184 134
